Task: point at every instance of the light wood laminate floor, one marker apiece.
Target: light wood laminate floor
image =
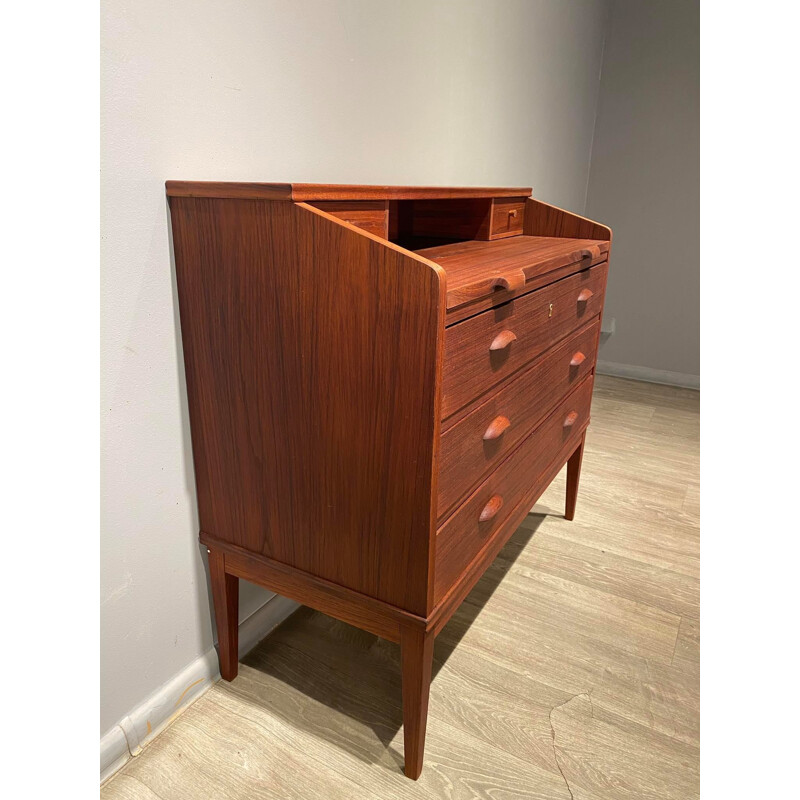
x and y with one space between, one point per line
571 671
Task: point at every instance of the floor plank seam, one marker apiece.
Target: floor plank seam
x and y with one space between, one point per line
675 645
588 695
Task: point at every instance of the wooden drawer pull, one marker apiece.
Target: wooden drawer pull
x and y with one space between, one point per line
491 508
577 359
503 340
570 419
585 295
497 427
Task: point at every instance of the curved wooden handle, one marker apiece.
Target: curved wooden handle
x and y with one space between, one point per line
570 419
497 427
512 280
585 295
491 508
577 359
503 340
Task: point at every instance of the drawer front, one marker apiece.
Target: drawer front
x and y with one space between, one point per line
482 515
369 215
471 448
482 351
507 216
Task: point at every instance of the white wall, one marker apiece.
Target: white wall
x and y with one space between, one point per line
431 92
645 184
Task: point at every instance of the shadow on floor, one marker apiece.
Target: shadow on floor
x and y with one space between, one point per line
353 675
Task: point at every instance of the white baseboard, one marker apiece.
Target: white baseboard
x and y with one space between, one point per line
648 375
136 730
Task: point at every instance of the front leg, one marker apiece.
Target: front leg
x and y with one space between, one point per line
416 653
225 591
573 478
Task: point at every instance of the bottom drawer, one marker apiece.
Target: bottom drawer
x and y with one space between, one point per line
483 513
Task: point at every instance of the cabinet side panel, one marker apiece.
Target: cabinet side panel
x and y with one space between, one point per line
542 219
312 355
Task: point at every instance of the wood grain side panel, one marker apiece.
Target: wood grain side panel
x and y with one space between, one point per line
312 355
542 219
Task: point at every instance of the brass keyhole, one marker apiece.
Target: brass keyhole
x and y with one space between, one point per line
551 311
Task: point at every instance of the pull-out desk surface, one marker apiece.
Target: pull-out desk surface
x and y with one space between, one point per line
477 269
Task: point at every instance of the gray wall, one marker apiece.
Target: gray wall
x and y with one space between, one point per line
459 92
644 183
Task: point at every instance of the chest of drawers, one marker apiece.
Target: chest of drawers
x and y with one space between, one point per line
381 382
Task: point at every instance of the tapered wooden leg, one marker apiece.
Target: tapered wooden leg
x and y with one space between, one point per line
573 478
225 589
416 652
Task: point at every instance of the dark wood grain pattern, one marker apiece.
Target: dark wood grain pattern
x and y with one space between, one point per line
482 514
467 454
372 416
416 653
321 346
304 192
537 320
477 269
225 591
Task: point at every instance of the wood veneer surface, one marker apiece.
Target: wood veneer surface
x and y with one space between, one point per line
315 451
302 192
476 269
582 638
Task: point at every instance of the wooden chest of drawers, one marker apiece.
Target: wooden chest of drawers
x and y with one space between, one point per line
382 381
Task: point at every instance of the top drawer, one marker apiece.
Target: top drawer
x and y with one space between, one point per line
482 351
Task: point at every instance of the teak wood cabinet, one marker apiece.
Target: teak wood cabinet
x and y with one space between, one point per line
382 381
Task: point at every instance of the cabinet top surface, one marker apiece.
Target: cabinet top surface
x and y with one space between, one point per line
300 192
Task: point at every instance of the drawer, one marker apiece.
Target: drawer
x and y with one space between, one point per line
472 447
487 348
482 515
507 216
369 215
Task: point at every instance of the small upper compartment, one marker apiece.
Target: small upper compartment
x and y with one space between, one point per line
415 224
424 222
